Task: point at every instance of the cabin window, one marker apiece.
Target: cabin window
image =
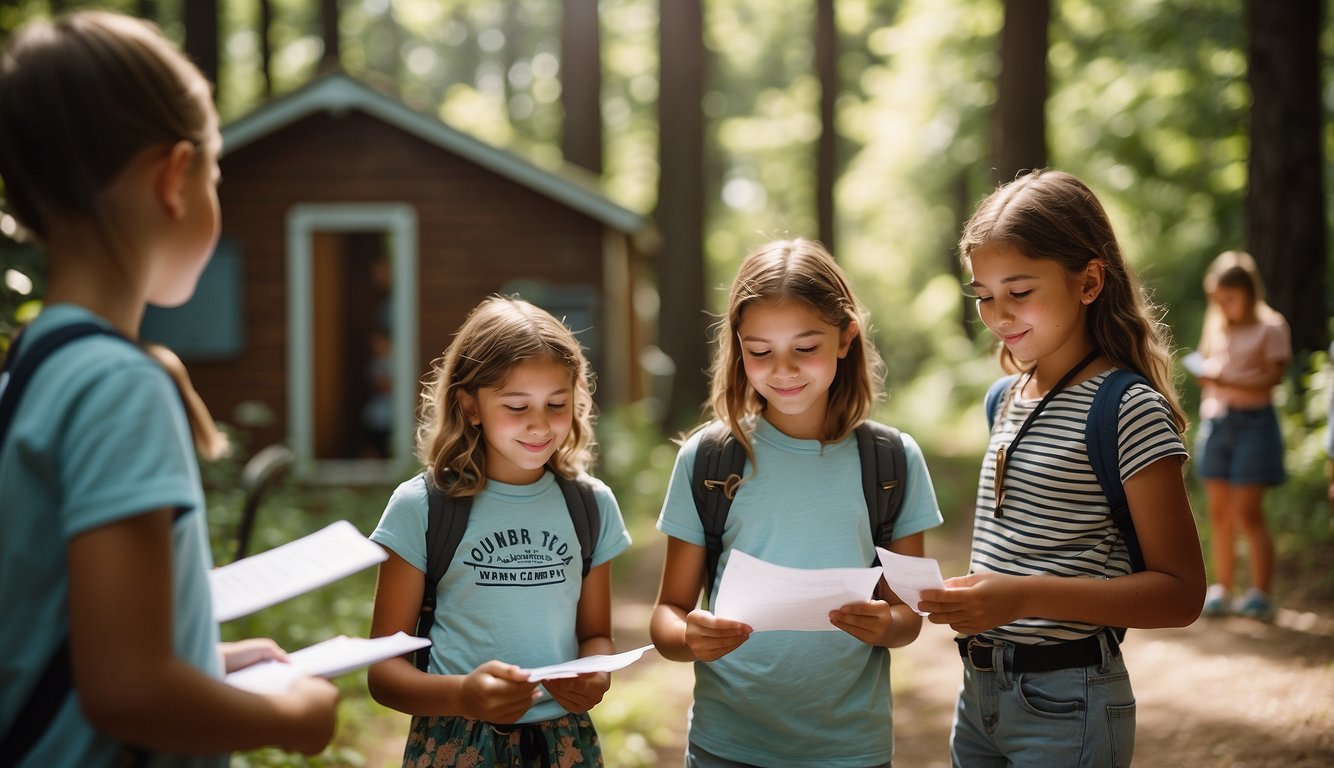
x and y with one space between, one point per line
210 326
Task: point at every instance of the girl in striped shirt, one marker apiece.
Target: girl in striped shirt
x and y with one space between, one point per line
1044 680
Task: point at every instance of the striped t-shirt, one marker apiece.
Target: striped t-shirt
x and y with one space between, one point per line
1056 519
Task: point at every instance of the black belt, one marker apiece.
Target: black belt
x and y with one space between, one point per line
977 650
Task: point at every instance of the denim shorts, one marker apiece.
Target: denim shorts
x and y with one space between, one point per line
1083 717
1243 447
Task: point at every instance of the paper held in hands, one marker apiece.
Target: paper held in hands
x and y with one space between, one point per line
608 663
908 576
1194 363
768 596
330 658
289 570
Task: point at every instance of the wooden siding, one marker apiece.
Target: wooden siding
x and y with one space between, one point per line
477 231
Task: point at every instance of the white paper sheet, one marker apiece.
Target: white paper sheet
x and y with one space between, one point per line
908 575
768 596
1194 363
608 663
330 658
284 572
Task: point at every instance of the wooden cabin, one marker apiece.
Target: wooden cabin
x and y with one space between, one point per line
357 235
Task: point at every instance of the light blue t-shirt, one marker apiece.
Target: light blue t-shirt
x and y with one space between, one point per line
100 436
797 698
512 590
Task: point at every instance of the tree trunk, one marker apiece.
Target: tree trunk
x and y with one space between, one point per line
680 216
1285 200
581 84
826 165
201 37
329 60
1019 141
266 45
146 9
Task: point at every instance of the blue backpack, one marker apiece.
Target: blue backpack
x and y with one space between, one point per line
1100 435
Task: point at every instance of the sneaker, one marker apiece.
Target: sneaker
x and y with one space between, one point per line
1256 605
1216 602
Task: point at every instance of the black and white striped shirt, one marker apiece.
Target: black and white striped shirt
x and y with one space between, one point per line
1056 519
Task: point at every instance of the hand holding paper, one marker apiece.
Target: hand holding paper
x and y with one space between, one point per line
330 658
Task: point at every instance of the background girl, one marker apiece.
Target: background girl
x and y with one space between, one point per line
506 407
1044 680
793 375
1245 345
108 148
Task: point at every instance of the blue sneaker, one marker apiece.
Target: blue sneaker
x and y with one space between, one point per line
1216 602
1256 605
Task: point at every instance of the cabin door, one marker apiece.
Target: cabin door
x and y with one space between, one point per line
353 363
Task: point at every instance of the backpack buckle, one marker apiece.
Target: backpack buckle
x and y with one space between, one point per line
889 485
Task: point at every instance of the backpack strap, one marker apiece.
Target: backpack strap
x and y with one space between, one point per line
719 466
19 367
994 395
56 680
447 520
884 473
1101 433
583 507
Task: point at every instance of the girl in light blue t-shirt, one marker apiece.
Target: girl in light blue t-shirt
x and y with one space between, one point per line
109 149
793 376
505 410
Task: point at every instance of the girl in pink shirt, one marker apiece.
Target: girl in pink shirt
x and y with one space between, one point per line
1245 347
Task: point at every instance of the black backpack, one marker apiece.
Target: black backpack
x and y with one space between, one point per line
447 519
56 680
719 462
1100 435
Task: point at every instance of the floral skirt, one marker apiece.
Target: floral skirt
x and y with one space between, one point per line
443 742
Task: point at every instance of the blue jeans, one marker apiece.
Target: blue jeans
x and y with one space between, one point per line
1068 718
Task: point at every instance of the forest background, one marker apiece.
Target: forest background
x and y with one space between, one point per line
874 125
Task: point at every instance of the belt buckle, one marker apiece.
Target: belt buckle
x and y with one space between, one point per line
981 645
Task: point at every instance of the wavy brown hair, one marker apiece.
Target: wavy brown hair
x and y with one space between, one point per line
499 333
801 271
1050 214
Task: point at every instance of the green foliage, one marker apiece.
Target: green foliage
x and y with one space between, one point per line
1154 121
22 284
1298 511
636 462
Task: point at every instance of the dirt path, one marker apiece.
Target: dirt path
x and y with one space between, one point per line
1224 693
